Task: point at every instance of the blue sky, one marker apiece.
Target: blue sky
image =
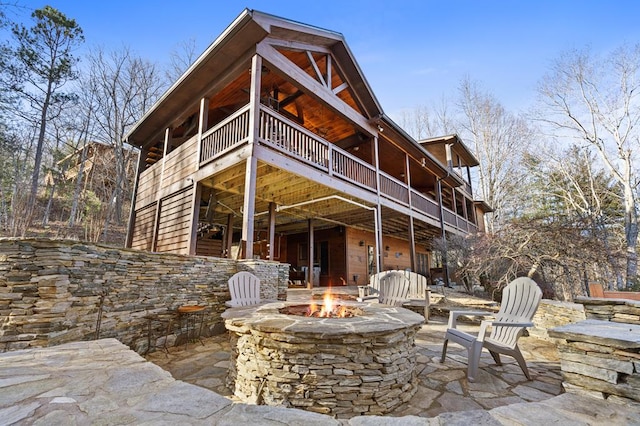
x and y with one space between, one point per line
411 52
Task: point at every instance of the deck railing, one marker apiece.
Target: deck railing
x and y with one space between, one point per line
352 168
425 204
232 131
287 137
393 188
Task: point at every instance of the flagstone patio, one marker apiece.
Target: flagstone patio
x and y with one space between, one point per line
104 382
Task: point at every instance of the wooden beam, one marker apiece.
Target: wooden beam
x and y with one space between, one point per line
296 76
296 45
316 69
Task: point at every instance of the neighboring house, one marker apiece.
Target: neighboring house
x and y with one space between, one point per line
273 146
96 160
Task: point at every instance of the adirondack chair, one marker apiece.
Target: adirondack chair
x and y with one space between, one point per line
393 290
245 289
520 300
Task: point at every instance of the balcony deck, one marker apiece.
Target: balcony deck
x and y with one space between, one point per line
307 164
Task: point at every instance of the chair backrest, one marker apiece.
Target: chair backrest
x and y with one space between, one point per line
520 301
417 283
394 288
245 289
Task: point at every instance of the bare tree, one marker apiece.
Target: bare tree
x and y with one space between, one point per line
42 63
180 58
570 186
123 87
596 101
499 139
429 121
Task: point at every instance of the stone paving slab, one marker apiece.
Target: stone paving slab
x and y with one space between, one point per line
103 382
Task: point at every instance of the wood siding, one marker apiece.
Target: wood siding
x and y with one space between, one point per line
143 228
174 226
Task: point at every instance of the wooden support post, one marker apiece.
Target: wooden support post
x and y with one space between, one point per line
379 246
195 217
229 235
134 197
310 255
412 235
248 211
202 126
272 229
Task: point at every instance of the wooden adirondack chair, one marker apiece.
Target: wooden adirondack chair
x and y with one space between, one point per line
394 289
520 300
245 289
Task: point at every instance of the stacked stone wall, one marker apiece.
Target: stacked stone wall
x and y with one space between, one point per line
342 377
56 291
615 310
553 313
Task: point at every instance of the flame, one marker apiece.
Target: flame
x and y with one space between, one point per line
328 309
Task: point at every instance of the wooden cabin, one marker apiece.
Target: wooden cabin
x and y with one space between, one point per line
273 146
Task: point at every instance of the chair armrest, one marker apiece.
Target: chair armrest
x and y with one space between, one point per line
366 298
453 316
512 324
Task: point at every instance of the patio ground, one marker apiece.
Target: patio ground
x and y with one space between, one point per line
443 388
104 382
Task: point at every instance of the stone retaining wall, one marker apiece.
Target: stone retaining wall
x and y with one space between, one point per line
553 313
616 310
601 359
55 291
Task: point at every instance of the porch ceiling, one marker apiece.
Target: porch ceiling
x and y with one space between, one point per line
298 199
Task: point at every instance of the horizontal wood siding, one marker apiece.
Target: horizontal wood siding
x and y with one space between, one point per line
208 247
148 186
142 238
180 163
174 226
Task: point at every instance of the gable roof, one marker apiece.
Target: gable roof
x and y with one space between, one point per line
239 40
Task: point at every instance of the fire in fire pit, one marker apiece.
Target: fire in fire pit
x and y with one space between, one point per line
328 309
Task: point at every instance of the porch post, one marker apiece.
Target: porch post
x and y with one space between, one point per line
272 229
310 255
134 197
195 217
412 236
379 266
248 211
203 119
229 235
445 266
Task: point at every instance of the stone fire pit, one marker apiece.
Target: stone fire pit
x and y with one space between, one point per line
339 366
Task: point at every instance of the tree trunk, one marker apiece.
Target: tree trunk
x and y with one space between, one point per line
33 194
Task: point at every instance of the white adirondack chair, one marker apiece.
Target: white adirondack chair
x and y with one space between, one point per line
245 289
394 289
520 300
